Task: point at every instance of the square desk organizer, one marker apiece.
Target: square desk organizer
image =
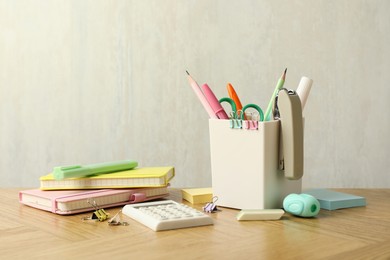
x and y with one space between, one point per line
256 169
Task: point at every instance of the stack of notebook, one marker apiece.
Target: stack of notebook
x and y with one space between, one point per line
75 189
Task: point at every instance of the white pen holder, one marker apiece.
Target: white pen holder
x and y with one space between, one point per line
245 166
256 168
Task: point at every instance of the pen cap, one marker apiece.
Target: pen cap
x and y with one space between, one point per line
303 90
291 138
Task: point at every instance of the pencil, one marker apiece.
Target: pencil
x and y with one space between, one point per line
201 97
278 87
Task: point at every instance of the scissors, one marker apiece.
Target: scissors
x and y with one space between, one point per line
235 121
233 105
239 110
237 116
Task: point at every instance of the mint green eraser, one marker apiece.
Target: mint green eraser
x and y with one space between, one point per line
303 205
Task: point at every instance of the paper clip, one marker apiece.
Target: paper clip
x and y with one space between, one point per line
117 220
253 122
210 207
236 119
98 214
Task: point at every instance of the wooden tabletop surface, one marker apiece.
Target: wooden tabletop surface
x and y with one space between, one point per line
354 233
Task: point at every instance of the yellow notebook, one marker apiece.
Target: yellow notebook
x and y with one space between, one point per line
135 178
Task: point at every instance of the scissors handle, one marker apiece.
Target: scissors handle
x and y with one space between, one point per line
230 101
255 107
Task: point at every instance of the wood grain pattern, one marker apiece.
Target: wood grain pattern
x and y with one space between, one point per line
356 233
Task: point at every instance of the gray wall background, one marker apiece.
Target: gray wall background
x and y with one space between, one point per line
92 81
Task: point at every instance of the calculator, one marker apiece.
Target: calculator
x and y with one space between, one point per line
166 215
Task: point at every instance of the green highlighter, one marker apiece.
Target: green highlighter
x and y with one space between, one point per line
78 171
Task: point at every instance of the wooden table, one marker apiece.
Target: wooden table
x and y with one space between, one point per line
355 233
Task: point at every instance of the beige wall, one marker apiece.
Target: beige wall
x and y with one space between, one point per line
95 81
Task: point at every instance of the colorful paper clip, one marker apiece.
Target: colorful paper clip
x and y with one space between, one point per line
211 207
253 122
117 220
98 214
235 116
236 119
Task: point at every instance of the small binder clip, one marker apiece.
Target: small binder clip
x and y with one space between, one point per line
253 122
117 220
98 214
236 119
210 207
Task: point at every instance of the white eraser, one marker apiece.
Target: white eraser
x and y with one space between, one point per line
303 90
260 214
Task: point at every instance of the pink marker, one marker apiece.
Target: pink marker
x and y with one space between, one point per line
214 103
201 97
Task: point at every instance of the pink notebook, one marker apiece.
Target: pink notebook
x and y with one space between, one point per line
75 201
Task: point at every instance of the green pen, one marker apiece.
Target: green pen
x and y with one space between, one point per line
278 87
78 171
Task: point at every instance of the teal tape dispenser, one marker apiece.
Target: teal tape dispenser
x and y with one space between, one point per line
303 205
